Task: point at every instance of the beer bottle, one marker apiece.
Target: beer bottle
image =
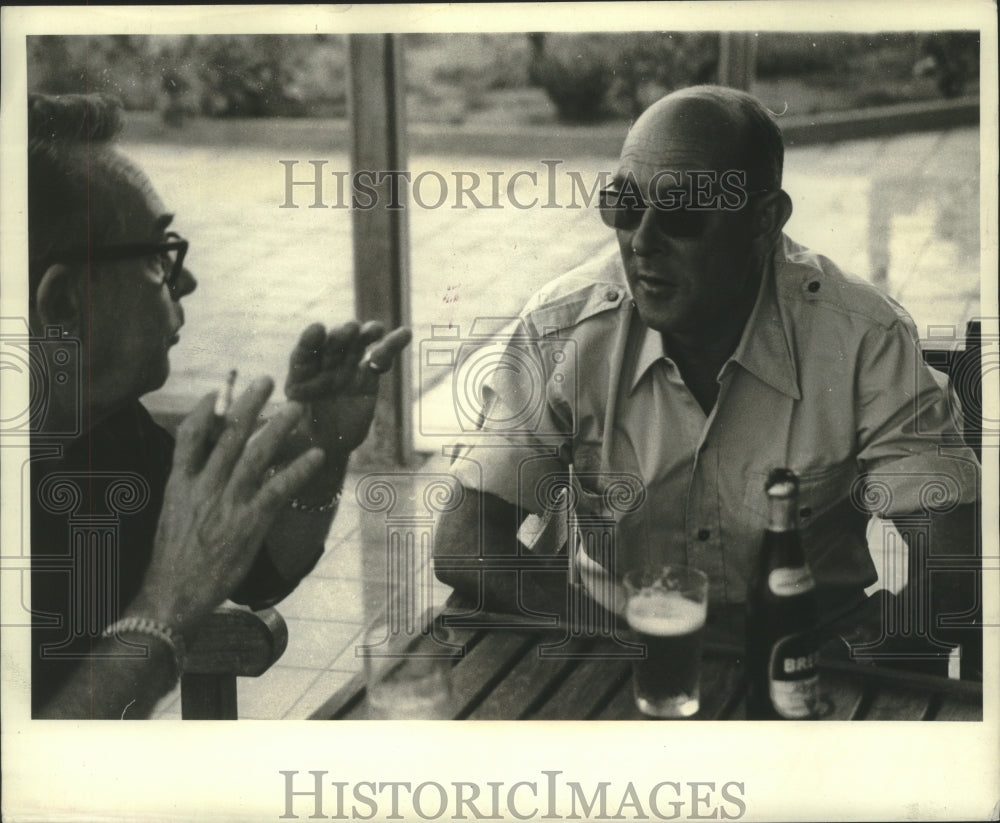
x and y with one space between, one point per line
782 679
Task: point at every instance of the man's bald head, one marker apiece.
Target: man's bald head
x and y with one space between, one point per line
708 128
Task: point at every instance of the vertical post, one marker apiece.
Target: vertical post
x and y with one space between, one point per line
737 59
208 697
381 238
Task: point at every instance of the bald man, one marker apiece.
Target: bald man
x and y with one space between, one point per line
673 374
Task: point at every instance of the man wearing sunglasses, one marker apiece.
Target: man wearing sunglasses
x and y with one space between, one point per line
707 349
135 540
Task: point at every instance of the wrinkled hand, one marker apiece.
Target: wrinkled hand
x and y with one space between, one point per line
338 382
217 505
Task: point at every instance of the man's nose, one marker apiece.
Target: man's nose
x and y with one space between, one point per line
646 238
186 283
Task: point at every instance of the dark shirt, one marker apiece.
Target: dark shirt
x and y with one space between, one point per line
95 503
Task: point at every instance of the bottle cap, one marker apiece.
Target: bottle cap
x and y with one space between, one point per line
782 483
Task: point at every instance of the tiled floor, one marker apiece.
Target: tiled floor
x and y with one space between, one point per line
902 211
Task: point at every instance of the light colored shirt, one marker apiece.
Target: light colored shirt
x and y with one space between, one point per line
827 380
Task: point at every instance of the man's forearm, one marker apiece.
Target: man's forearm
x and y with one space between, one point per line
115 688
298 533
480 536
507 592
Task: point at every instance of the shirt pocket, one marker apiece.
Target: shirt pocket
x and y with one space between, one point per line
615 492
819 491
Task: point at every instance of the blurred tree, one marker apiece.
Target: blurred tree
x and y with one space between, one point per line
951 58
592 76
181 75
114 64
652 64
575 71
251 76
179 81
536 58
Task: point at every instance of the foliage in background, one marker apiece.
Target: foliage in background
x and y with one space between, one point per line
587 77
651 64
448 76
576 71
123 65
268 75
214 75
534 77
885 67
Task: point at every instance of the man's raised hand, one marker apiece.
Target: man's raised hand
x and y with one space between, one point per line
218 504
336 374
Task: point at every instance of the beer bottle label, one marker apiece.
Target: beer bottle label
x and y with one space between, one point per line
788 581
793 679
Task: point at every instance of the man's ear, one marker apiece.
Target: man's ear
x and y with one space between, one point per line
58 300
772 213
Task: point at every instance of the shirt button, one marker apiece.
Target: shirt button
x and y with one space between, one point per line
704 534
611 296
805 511
814 286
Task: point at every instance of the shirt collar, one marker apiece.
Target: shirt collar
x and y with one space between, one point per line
650 350
763 349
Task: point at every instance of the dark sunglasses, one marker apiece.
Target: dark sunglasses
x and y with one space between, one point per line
624 208
170 251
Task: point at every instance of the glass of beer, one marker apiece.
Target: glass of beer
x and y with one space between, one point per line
666 608
408 675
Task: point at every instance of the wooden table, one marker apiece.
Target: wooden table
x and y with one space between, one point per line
517 673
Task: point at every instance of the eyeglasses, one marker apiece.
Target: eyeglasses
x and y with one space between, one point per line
623 208
170 251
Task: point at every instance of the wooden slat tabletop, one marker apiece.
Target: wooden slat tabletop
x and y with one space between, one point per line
585 690
900 704
509 673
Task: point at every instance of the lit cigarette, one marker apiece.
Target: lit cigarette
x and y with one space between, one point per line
225 397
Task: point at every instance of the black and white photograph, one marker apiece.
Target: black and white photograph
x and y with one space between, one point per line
630 363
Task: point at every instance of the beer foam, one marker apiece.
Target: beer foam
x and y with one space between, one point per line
663 613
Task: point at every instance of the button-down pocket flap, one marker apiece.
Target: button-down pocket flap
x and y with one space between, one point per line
819 491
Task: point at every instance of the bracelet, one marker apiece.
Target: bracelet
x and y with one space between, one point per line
328 506
299 506
152 628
